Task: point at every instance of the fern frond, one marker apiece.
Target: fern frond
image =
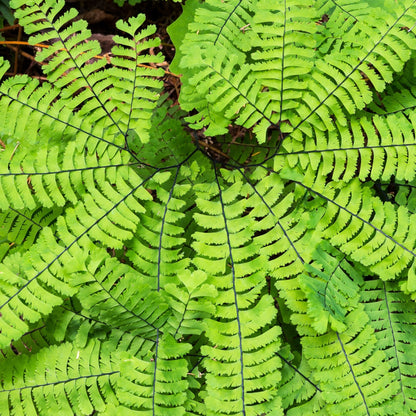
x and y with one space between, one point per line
113 294
156 384
108 217
57 175
391 314
117 99
191 304
32 286
70 51
40 106
241 355
136 85
63 379
156 250
363 227
231 18
296 387
26 106
332 288
230 92
19 230
352 372
69 322
285 45
386 140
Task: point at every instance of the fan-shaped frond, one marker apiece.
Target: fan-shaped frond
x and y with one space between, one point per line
191 304
231 266
298 392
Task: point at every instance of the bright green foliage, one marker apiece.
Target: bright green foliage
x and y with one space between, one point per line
249 252
62 379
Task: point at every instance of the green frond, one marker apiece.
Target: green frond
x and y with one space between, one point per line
107 217
63 379
353 374
32 285
69 322
229 19
391 314
113 294
156 384
389 236
284 41
241 355
19 230
56 175
116 100
332 288
156 251
385 140
231 93
372 232
69 54
27 105
137 91
191 304
361 24
298 392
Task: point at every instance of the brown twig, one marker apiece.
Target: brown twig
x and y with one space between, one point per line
6 28
40 45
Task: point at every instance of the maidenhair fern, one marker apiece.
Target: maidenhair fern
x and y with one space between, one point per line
249 252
